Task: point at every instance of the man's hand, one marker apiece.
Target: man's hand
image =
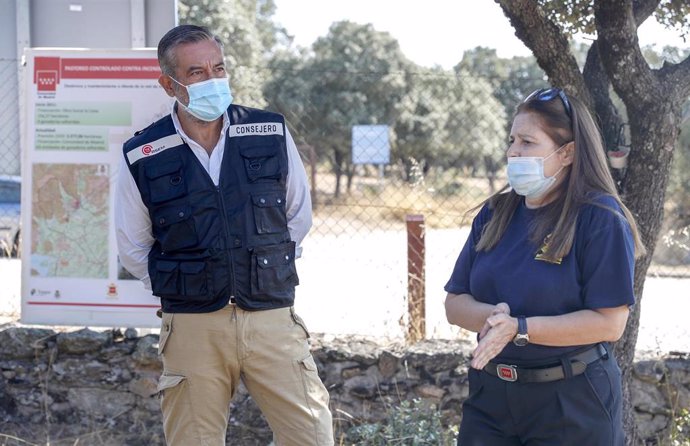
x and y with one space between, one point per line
502 330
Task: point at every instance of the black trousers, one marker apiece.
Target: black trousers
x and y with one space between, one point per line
583 410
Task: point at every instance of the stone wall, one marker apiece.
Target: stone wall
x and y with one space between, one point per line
100 387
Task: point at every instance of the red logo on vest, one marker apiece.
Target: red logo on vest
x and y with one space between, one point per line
146 150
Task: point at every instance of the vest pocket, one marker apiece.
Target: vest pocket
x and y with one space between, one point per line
273 268
261 160
269 213
186 279
194 279
165 181
166 277
174 228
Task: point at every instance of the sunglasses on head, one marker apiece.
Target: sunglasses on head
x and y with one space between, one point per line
546 94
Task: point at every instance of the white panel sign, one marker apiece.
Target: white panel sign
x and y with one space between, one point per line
81 105
370 144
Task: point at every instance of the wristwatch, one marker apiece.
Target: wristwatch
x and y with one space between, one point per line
521 338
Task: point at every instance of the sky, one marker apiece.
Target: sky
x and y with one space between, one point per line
430 32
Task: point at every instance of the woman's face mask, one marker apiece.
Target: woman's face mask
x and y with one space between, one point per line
526 175
209 99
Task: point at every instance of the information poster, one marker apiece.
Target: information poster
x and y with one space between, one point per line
79 108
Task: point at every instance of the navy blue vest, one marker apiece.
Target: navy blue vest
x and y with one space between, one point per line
217 242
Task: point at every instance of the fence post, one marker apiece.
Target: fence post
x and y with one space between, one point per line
312 167
416 322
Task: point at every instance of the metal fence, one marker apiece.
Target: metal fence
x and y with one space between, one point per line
9 157
447 155
446 140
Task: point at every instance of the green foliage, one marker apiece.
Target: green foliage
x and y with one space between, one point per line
577 16
680 433
573 16
421 134
674 14
511 79
246 29
354 76
410 424
477 125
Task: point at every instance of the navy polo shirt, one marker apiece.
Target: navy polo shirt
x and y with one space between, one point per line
598 271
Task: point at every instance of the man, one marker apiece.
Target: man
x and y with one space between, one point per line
212 204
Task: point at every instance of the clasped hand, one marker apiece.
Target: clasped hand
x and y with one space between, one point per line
498 330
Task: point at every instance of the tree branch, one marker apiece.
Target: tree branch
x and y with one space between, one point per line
642 9
620 53
548 44
598 84
677 77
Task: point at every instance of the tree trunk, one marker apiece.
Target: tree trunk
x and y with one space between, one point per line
653 100
337 170
350 175
654 133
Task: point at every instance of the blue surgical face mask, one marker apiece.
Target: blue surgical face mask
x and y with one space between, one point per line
209 99
526 175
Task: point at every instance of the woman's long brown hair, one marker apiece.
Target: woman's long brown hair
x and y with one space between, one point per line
586 178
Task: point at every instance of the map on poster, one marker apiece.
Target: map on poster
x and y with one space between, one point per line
80 107
70 220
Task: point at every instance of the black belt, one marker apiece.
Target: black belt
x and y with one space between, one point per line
578 364
159 312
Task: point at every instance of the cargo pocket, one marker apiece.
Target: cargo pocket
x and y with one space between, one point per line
173 227
167 382
194 280
166 331
269 213
166 180
273 268
166 278
316 395
298 321
261 159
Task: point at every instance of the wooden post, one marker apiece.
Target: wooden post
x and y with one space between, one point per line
416 323
312 167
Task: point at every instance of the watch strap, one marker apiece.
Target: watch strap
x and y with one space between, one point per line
522 325
522 337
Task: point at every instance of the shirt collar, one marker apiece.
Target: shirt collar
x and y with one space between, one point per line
180 131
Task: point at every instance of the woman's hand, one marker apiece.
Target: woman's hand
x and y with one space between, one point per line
502 330
500 307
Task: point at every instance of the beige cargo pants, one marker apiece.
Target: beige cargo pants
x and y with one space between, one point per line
206 355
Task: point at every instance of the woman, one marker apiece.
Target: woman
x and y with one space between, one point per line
546 279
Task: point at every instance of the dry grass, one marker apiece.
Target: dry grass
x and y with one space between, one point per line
384 203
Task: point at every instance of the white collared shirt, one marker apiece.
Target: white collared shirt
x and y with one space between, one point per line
133 224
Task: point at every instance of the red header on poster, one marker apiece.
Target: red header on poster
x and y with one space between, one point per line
48 71
109 69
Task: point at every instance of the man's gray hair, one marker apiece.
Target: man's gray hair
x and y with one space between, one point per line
180 35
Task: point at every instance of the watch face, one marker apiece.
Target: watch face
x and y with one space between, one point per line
521 340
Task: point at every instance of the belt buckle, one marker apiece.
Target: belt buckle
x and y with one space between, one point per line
507 372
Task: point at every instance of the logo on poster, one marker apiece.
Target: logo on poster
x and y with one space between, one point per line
46 81
146 150
46 76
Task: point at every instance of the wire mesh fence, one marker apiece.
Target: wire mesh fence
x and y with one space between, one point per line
9 158
430 145
447 139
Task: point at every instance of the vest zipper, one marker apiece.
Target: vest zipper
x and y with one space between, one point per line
228 243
